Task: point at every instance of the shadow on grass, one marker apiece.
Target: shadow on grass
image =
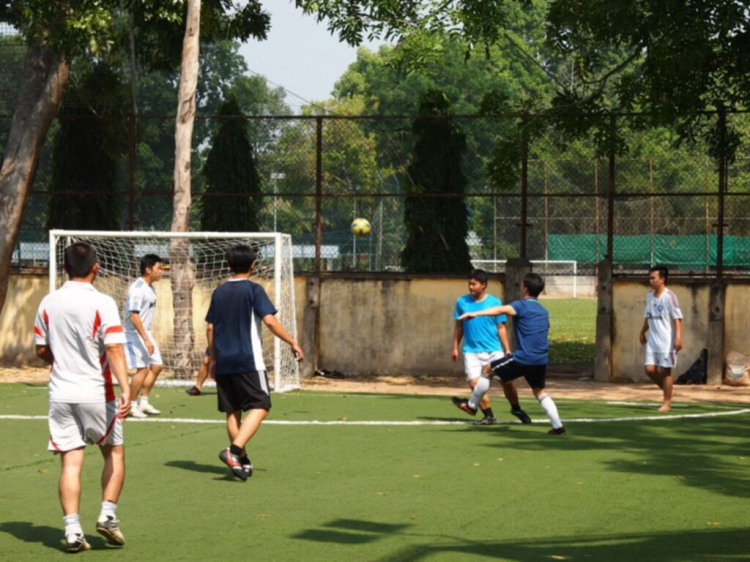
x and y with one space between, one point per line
197 467
571 353
685 546
44 535
704 453
351 531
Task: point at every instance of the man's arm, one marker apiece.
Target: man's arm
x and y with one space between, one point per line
678 334
492 311
116 359
458 334
211 350
502 333
279 331
644 329
135 318
44 352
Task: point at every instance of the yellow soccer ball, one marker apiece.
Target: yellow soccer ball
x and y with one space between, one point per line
361 227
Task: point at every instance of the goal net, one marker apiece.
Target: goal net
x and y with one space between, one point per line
561 276
194 259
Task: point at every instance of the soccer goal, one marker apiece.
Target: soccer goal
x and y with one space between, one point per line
194 265
565 271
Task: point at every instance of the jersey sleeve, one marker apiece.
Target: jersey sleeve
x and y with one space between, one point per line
134 301
674 307
110 328
519 307
210 315
41 325
262 305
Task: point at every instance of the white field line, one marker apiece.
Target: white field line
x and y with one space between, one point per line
417 422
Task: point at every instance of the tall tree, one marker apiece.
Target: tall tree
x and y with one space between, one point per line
231 168
436 226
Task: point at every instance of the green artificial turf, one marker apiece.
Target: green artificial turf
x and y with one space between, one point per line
572 334
669 490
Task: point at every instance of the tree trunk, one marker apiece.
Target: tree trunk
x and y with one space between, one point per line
44 79
183 274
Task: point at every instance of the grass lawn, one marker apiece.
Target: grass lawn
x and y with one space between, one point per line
671 490
572 330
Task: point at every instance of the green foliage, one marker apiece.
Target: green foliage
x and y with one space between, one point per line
436 226
85 155
230 168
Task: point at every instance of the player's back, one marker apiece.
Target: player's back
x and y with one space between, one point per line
75 321
237 308
531 327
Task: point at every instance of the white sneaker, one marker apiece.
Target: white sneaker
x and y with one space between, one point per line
148 409
76 543
135 412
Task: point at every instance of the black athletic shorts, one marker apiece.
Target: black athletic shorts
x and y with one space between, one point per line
508 369
245 391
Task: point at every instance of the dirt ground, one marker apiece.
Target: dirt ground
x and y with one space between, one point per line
561 384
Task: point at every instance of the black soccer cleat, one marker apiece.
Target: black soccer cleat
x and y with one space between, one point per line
234 464
463 404
558 431
486 420
521 415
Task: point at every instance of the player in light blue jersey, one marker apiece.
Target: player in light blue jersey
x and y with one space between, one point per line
485 339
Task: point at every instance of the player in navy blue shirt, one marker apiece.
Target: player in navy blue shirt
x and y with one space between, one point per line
238 309
531 328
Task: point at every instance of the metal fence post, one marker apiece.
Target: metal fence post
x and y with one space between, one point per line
611 192
318 189
722 156
524 187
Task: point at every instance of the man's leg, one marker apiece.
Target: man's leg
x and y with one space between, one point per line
248 427
549 407
113 478
136 383
70 499
484 404
240 432
667 387
70 481
150 380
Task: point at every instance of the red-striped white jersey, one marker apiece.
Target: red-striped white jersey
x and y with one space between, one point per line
77 322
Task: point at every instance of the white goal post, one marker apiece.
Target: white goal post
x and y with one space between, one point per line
567 268
119 256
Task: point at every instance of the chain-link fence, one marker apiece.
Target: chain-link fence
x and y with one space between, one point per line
528 188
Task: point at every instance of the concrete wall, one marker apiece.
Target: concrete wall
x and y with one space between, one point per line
393 326
629 302
26 291
737 319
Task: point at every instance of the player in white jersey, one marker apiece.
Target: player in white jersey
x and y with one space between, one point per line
663 322
141 349
78 331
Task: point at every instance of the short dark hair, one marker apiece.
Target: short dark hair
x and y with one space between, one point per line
480 275
662 269
149 260
241 258
534 284
79 259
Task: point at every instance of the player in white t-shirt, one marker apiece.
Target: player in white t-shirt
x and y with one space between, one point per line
141 350
663 322
77 330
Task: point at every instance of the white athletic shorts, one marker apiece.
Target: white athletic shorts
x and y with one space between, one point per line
72 426
664 360
473 363
137 355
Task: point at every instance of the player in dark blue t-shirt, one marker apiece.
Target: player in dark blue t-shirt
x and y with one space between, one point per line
531 328
238 308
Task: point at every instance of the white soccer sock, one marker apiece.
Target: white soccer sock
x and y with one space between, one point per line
109 509
72 524
143 400
480 389
548 405
134 403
